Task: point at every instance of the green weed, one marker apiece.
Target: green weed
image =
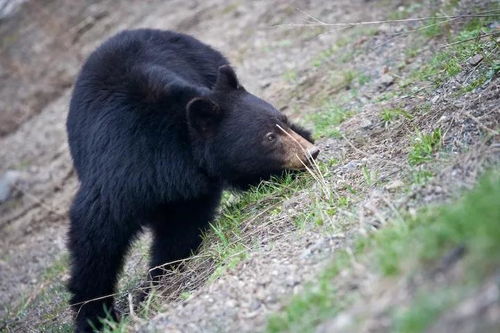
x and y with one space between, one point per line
291 76
420 177
318 213
363 79
389 115
423 147
369 175
325 55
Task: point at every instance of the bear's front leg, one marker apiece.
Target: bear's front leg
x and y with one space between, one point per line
177 231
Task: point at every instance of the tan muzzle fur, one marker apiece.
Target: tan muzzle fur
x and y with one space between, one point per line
299 151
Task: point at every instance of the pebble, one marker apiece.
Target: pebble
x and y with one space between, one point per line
394 185
348 167
386 80
475 60
7 181
365 123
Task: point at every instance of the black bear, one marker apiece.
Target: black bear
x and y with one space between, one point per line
158 125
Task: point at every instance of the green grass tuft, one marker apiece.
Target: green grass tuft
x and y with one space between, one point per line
423 147
389 115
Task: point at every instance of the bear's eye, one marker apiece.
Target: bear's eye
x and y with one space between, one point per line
270 137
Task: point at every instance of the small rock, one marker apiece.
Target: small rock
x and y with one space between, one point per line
7 181
265 84
475 60
254 305
394 185
386 80
365 123
435 99
339 323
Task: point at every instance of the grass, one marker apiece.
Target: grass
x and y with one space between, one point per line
305 310
403 12
343 80
451 60
291 76
324 56
49 299
435 27
471 223
370 176
423 147
318 212
386 96
420 177
425 309
328 118
404 246
389 115
476 83
227 248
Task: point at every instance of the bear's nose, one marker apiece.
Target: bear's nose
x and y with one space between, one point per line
313 152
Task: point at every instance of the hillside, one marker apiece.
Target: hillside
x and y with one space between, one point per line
395 229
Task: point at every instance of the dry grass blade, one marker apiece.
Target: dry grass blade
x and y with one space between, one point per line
319 23
470 39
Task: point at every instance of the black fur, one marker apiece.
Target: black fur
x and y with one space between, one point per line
157 126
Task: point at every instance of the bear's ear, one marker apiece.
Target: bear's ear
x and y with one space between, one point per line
203 116
226 79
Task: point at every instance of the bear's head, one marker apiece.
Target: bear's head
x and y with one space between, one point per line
243 139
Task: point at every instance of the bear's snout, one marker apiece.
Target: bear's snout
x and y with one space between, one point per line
299 152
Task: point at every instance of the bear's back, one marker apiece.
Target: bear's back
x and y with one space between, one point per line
110 97
181 54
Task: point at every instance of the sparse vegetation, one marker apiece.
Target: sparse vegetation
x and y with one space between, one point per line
328 118
423 146
390 115
290 76
471 40
420 177
51 290
398 249
305 310
228 249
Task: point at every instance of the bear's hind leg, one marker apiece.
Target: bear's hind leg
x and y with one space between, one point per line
97 246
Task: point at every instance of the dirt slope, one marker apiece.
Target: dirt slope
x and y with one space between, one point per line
304 70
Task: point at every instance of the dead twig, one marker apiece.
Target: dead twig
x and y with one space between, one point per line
470 39
319 23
